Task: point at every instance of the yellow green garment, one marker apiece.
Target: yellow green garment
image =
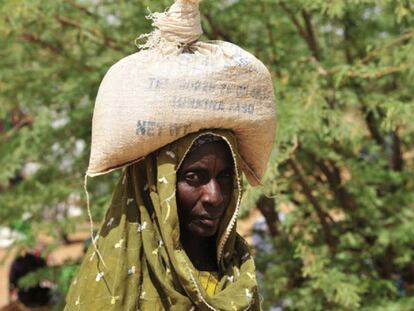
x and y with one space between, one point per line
209 281
141 264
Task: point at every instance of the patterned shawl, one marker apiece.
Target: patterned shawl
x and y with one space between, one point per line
141 265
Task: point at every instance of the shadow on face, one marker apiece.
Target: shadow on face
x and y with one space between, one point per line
204 188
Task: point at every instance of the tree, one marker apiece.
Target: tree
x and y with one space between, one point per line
342 161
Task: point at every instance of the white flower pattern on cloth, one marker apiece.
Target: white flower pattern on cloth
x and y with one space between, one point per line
170 154
249 294
99 276
114 299
245 256
142 227
167 201
131 270
237 272
160 244
110 222
119 244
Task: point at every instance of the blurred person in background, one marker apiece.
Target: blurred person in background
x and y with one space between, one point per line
36 298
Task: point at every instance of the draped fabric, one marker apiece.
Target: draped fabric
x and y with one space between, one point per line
142 265
208 281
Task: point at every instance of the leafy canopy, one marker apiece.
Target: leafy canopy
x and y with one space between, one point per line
342 166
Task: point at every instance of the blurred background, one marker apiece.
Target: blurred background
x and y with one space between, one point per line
333 224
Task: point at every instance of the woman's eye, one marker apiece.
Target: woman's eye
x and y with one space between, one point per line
196 178
192 177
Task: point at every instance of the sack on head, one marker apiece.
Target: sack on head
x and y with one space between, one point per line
178 85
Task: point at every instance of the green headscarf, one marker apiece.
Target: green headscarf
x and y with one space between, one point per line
144 266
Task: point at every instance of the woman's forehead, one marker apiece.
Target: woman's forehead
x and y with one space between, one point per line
205 139
217 152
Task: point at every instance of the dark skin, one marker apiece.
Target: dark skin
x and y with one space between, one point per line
204 189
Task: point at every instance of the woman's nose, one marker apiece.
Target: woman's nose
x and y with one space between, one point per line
212 193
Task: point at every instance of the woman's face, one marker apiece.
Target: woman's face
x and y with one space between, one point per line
204 188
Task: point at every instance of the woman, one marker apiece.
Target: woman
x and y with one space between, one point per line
169 240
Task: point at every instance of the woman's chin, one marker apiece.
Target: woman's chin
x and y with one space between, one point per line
203 230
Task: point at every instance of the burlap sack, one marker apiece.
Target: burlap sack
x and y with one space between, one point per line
177 85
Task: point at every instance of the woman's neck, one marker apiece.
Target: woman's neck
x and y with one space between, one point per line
201 251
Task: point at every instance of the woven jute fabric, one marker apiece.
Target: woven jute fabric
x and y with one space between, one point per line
178 85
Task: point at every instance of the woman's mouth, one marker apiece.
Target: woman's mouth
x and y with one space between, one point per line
209 222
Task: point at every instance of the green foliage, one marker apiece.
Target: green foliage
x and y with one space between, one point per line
61 276
342 165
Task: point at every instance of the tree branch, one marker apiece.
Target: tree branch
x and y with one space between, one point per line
311 39
269 35
217 33
372 125
295 21
80 7
379 73
373 54
28 37
348 23
95 36
397 162
369 117
333 176
306 32
297 168
267 207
